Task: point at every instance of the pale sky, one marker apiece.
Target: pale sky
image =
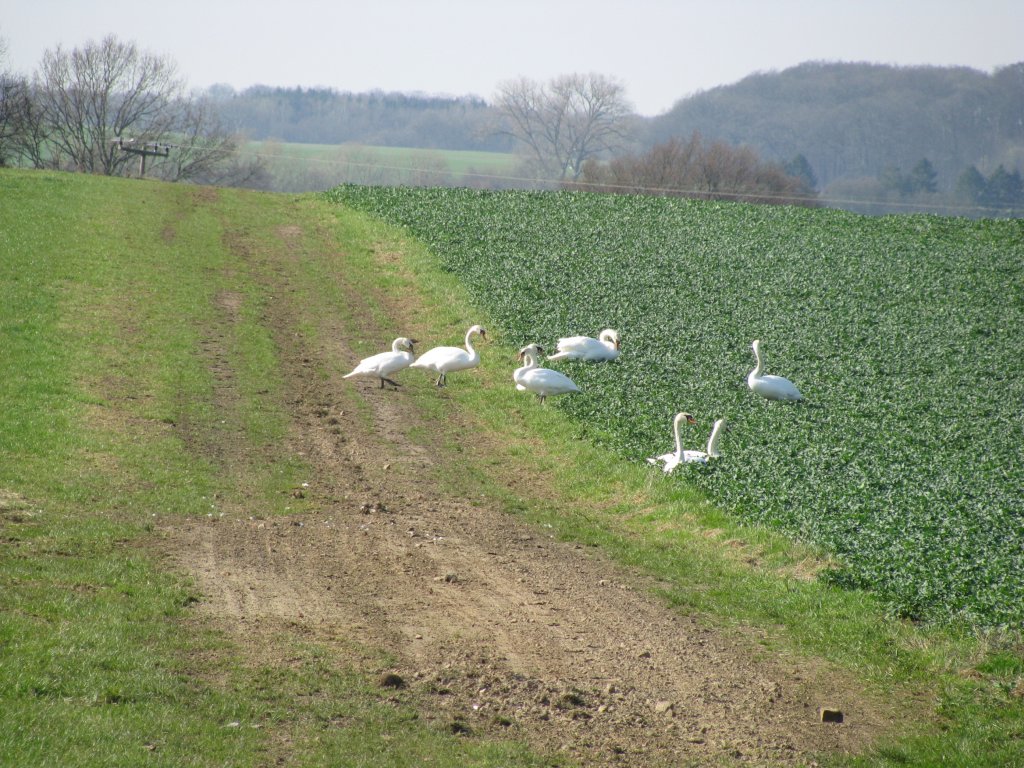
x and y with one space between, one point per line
659 50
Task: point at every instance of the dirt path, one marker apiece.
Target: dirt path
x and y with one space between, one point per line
503 629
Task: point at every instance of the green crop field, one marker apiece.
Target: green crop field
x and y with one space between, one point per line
904 334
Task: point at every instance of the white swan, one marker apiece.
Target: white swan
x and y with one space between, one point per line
444 360
605 347
679 456
384 364
543 382
768 386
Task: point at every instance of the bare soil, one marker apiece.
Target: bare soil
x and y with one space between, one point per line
497 627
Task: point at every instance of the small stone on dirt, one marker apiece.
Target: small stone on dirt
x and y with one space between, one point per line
665 708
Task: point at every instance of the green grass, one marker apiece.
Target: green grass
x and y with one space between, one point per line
301 167
135 347
901 331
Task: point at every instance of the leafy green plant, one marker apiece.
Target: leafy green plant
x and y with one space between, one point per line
902 332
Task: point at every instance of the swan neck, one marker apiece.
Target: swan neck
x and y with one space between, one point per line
679 437
760 365
713 440
529 363
469 342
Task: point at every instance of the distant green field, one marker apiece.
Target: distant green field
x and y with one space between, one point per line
903 332
300 167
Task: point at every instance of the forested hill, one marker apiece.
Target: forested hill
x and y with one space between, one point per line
869 137
858 120
327 116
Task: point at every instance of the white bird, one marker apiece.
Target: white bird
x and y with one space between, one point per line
679 456
605 347
543 382
768 386
384 364
444 360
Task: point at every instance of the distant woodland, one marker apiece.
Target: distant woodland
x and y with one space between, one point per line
376 118
869 137
880 133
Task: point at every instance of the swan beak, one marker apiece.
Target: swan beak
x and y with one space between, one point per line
690 419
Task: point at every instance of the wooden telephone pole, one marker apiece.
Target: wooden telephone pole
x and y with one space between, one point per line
151 149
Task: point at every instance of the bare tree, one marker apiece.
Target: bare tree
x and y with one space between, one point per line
206 152
691 169
92 96
15 111
14 103
566 122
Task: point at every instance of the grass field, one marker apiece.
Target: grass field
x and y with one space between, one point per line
903 332
297 167
110 290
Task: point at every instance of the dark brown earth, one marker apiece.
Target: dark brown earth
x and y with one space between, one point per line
502 629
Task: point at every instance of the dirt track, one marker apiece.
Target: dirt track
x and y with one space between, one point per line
503 629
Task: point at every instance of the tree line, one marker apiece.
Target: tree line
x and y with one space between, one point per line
375 118
863 136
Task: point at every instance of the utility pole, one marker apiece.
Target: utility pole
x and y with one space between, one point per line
150 149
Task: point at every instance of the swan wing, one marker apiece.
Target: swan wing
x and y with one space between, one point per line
441 358
583 348
394 362
671 460
695 457
774 387
383 363
572 347
545 381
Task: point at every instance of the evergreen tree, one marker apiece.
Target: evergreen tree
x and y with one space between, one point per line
971 187
1004 189
799 167
922 177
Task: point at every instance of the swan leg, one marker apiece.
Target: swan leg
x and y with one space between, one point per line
440 381
393 383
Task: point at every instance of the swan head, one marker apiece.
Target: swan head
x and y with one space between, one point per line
756 346
407 343
478 329
530 350
610 334
684 416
